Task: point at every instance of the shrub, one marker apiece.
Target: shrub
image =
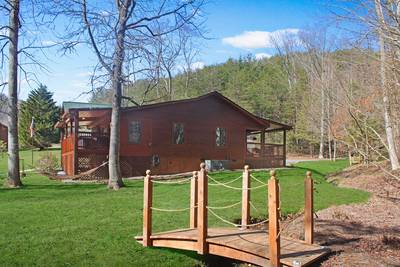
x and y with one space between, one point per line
48 163
3 147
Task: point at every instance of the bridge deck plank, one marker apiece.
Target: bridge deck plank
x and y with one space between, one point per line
248 243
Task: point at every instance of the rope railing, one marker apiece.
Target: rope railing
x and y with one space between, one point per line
229 182
253 206
181 181
235 224
172 210
261 182
289 222
235 188
199 207
225 207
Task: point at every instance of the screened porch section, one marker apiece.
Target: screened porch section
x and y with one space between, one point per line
266 149
84 139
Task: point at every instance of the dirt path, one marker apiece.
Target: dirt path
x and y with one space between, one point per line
365 234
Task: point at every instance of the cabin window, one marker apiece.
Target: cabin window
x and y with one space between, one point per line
134 132
178 133
220 136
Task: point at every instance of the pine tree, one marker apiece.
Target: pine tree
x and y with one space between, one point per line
40 106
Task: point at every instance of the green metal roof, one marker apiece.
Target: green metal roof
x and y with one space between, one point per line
81 105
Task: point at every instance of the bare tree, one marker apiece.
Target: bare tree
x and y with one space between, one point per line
190 51
13 7
316 61
114 27
169 51
378 25
20 63
386 106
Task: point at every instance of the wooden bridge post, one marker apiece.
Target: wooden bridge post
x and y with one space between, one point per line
273 225
309 208
193 201
76 139
202 222
147 212
246 197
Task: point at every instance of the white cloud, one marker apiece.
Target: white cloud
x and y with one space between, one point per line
48 42
105 13
259 56
197 65
257 39
84 74
78 84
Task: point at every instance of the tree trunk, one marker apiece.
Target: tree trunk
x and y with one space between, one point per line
350 158
386 108
13 147
322 126
169 84
334 149
115 179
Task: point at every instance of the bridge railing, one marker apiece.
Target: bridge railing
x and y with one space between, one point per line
199 208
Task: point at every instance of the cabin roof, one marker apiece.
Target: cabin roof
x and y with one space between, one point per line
270 125
67 105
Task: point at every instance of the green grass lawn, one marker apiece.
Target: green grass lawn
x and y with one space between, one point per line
48 223
26 160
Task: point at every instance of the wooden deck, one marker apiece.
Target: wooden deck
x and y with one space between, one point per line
240 242
245 245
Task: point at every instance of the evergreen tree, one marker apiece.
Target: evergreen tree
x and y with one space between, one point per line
40 106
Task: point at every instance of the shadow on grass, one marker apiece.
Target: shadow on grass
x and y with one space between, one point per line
43 150
209 260
311 170
73 186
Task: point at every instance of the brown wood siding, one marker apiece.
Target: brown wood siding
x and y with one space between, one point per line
3 133
200 119
67 154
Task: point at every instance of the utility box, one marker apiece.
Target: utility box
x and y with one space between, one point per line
217 165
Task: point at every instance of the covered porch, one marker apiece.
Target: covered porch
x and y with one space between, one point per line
84 137
266 147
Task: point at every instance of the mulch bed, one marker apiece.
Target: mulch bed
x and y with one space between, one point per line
365 234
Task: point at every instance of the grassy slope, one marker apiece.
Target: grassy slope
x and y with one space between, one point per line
54 224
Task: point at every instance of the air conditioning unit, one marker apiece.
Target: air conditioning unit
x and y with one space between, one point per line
217 165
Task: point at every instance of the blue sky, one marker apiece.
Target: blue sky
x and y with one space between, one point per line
236 28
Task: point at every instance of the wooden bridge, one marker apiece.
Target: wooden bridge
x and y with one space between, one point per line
242 242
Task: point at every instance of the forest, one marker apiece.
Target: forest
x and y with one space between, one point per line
329 97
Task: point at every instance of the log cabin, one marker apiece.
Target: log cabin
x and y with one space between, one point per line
3 127
171 137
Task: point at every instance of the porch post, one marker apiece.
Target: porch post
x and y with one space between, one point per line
193 201
245 197
308 208
273 224
284 148
147 212
262 142
62 147
75 133
202 202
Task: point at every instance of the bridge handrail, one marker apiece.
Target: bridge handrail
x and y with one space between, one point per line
199 208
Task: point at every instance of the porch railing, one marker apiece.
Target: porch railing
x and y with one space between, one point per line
67 144
93 141
265 155
258 150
